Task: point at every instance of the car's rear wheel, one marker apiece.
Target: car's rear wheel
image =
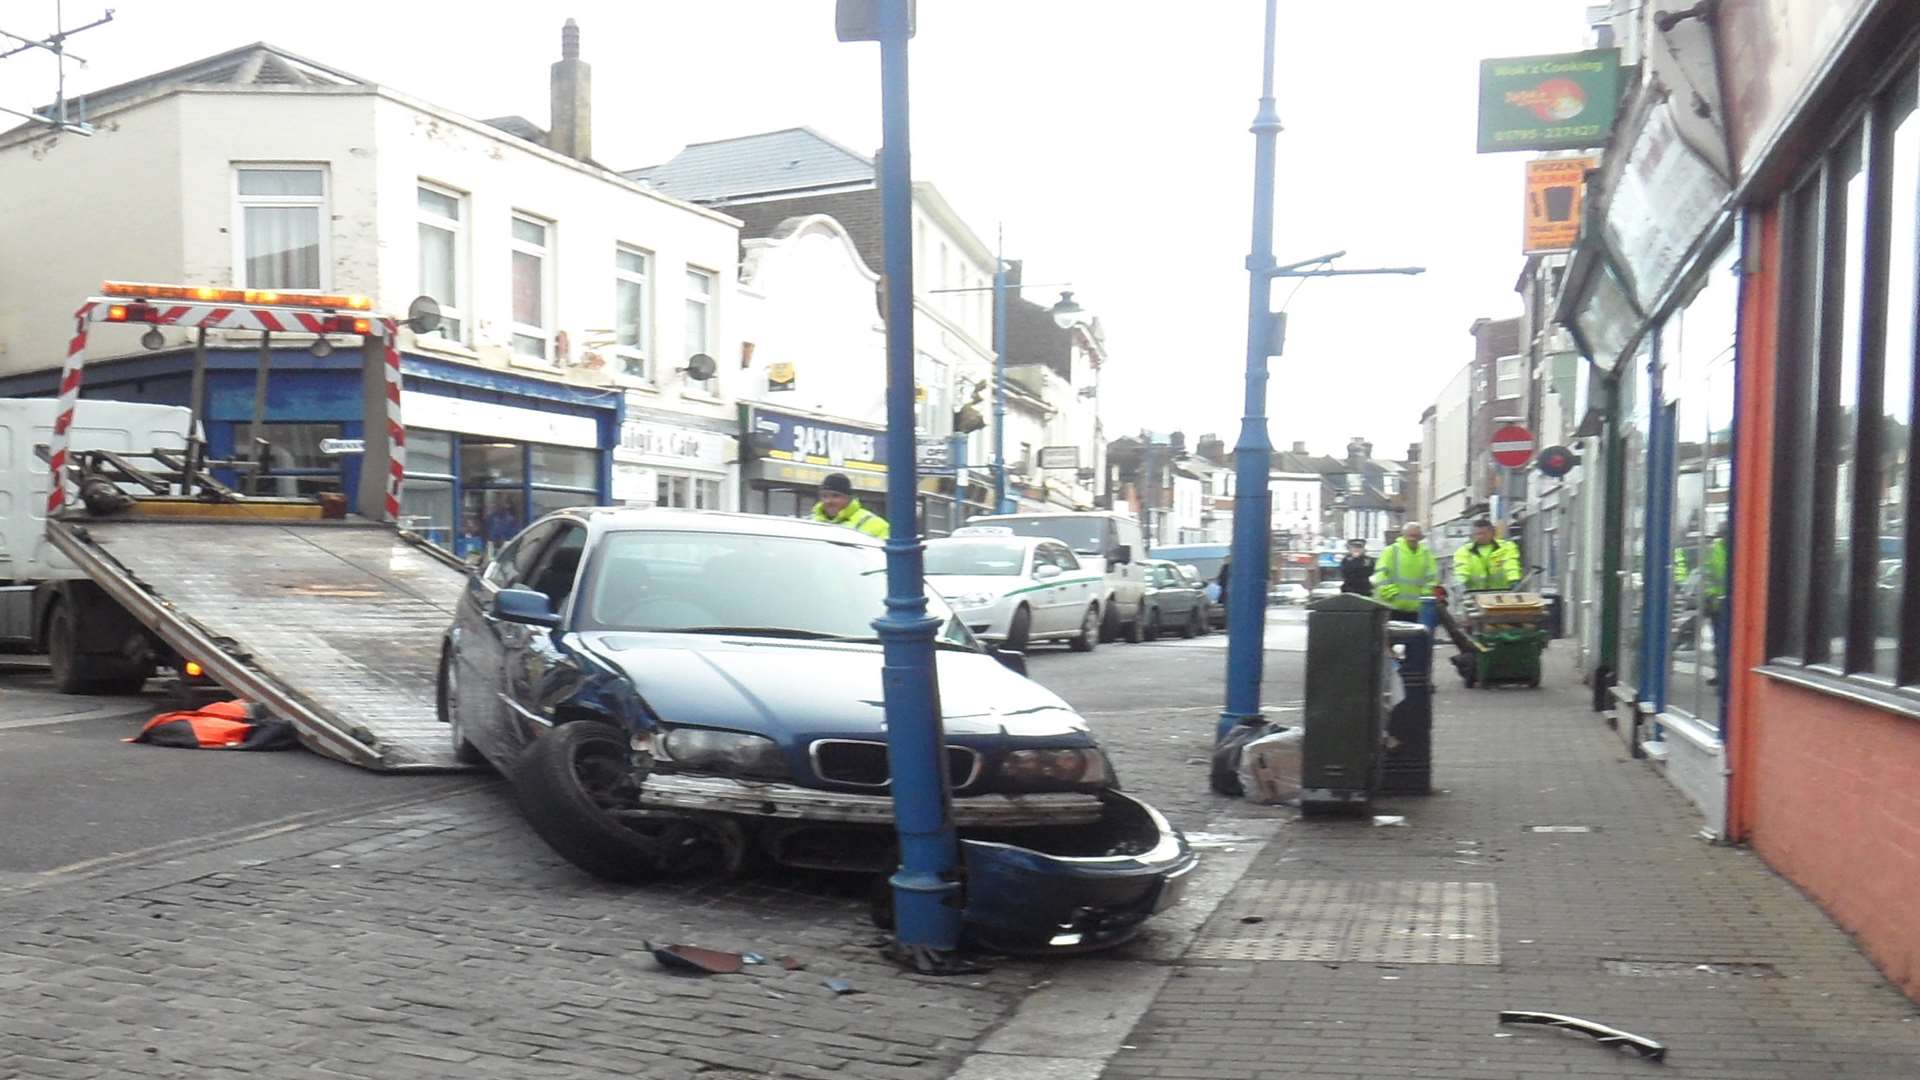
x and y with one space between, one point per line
1089 635
569 783
1192 628
1110 622
447 704
1019 628
1152 631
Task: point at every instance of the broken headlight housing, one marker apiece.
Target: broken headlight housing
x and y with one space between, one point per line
1056 768
731 753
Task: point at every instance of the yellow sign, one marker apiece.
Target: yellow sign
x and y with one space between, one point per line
779 376
1554 189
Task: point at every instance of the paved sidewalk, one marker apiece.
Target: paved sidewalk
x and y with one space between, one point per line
1396 972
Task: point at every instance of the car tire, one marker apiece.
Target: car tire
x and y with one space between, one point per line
73 671
448 709
1191 628
560 806
1110 622
1089 634
1151 632
1019 628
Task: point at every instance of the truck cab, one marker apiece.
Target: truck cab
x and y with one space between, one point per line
46 604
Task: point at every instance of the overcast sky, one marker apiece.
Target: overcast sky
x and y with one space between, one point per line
1110 136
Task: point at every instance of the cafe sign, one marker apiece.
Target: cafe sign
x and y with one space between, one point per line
1566 101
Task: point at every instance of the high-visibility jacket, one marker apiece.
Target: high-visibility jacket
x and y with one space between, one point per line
1716 569
1493 566
1404 574
855 516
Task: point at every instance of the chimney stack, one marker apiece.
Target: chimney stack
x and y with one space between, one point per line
572 106
1299 447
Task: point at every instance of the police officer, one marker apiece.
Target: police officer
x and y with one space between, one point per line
837 506
1488 562
1405 573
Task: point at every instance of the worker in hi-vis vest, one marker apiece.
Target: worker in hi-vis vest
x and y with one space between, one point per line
1487 562
1405 573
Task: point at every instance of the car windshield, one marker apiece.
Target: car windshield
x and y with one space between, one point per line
714 582
1082 534
985 558
1208 569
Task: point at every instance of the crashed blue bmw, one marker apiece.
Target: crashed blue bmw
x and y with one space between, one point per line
677 688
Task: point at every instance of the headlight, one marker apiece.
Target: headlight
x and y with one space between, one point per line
731 752
970 600
1032 768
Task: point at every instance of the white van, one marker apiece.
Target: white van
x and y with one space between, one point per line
1099 538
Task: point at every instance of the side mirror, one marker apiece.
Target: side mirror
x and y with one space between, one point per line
1120 554
526 607
1046 572
1012 661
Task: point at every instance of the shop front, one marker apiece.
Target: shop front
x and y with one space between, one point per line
792 452
676 460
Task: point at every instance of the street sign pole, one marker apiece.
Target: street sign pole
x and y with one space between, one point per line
926 894
1253 453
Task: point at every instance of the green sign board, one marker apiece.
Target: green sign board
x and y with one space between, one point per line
1561 102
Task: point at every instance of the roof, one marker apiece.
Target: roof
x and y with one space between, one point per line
520 128
620 518
785 162
258 64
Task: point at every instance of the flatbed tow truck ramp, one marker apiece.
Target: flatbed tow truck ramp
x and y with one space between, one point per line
333 625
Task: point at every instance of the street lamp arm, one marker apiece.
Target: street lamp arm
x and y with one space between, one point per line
1327 258
1374 272
989 288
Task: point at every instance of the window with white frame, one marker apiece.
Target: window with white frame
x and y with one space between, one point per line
632 310
1512 372
442 217
700 320
532 243
280 226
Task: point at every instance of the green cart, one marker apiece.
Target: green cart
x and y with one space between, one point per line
1509 630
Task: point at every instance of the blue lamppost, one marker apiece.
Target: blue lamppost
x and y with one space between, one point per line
1065 313
1253 453
926 892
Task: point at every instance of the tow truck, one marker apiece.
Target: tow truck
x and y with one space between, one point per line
328 616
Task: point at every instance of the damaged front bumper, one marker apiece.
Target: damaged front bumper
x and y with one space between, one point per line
749 798
1022 897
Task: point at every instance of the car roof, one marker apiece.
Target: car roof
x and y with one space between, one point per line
983 518
1019 541
603 519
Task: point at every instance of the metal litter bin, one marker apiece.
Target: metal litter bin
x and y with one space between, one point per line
1406 766
1345 710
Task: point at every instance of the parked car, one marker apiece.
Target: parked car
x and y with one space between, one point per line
1100 538
1175 602
1017 589
1288 593
1205 561
672 688
1324 589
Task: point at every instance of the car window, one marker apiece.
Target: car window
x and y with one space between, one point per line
1079 532
1055 555
511 566
559 565
668 581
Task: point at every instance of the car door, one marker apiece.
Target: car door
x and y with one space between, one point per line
480 641
538 674
1056 610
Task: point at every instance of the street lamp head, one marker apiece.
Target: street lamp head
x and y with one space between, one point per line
1066 312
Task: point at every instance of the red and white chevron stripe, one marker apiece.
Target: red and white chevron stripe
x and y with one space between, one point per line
396 430
70 375
213 317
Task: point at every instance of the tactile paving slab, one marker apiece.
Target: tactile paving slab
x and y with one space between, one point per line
1385 922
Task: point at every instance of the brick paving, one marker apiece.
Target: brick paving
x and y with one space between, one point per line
1641 887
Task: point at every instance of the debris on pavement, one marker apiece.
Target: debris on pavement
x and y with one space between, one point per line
693 958
220 725
1388 819
1272 765
752 958
1604 1035
842 987
792 963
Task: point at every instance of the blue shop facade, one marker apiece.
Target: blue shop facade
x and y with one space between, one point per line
487 450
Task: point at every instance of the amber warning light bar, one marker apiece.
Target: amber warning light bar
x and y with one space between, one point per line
137 312
207 294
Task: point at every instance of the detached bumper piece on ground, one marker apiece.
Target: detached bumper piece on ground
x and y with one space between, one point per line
1604 1035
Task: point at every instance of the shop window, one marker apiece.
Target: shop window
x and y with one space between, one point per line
532 286
632 318
442 230
562 466
295 463
699 329
546 501
706 494
280 229
426 508
1841 541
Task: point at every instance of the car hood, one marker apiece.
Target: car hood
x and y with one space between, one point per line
813 689
952 585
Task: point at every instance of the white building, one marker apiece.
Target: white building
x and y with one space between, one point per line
565 287
1296 508
1449 492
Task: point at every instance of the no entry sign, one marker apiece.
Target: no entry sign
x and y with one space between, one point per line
1512 446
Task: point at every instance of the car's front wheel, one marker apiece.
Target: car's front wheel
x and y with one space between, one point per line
1019 628
569 783
1152 631
1192 627
1089 635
